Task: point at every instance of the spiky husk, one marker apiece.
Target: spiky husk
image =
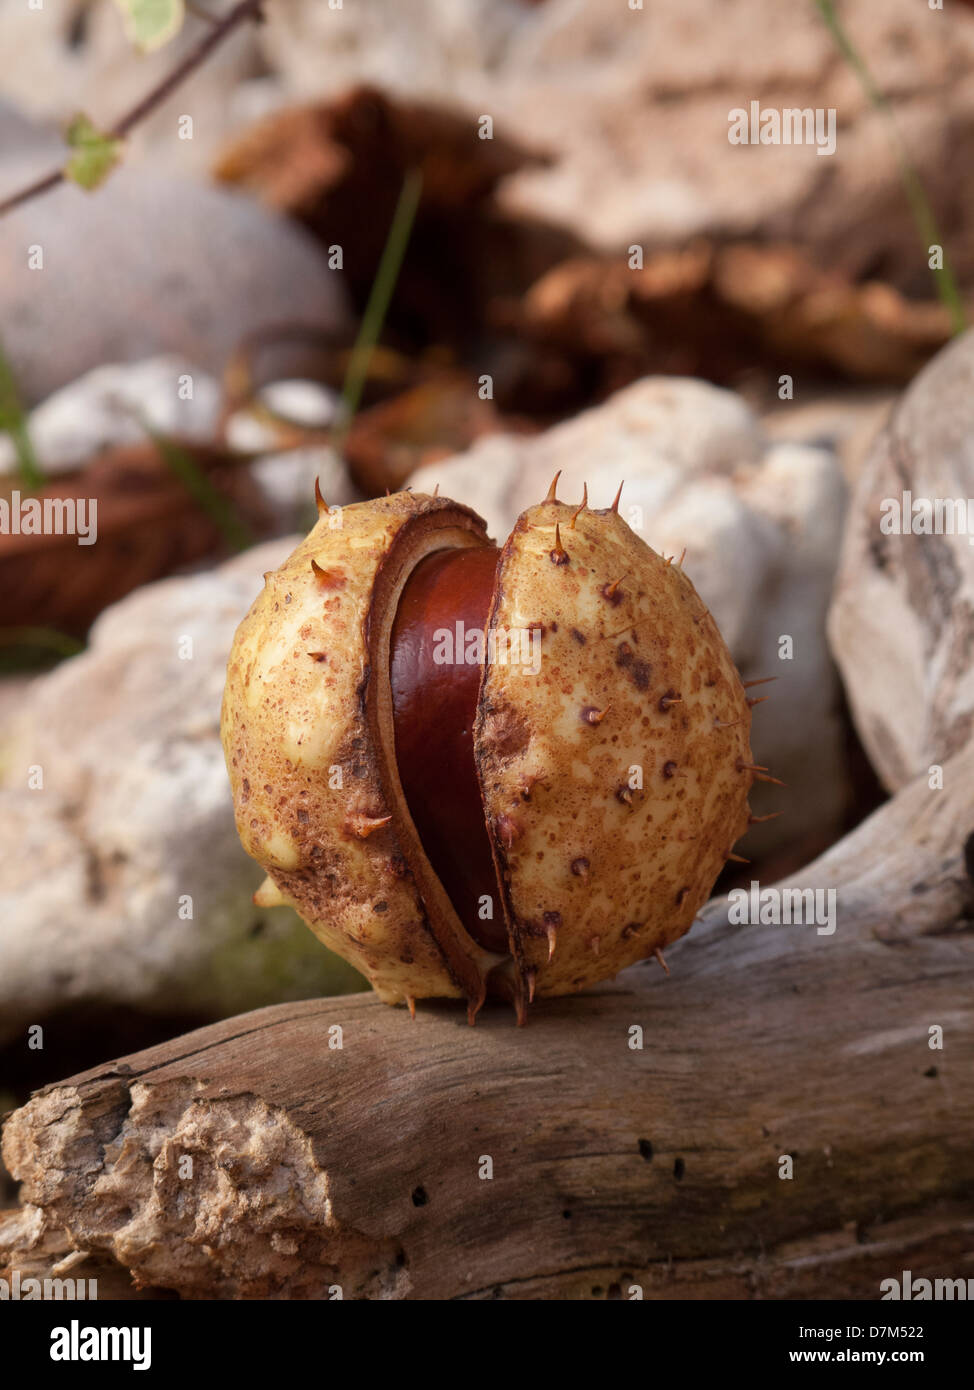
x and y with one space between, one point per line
614 780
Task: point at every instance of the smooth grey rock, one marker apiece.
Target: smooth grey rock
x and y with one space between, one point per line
150 264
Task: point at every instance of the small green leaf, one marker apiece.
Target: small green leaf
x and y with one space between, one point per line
95 154
150 24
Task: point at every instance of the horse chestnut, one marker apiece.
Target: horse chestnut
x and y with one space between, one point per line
475 770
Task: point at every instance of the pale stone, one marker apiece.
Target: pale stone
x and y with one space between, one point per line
116 405
151 264
135 813
902 621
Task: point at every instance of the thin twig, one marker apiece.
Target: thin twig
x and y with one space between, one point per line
201 12
245 9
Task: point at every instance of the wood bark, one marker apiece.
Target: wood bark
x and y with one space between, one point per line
363 1166
901 626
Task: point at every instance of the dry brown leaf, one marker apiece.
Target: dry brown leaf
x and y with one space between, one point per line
295 156
713 310
148 526
339 167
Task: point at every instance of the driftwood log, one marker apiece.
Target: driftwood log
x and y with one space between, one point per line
364 1167
902 619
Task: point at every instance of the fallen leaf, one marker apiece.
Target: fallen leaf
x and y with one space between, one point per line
148 526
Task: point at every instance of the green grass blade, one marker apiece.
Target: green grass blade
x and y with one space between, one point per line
24 650
923 215
13 421
380 295
218 508
43 638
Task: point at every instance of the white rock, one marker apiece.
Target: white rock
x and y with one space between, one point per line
721 535
658 432
844 420
288 482
134 820
112 405
305 403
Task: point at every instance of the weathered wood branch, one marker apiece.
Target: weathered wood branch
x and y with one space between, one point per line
901 624
360 1166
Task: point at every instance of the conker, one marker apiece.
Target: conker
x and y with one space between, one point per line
475 770
434 706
